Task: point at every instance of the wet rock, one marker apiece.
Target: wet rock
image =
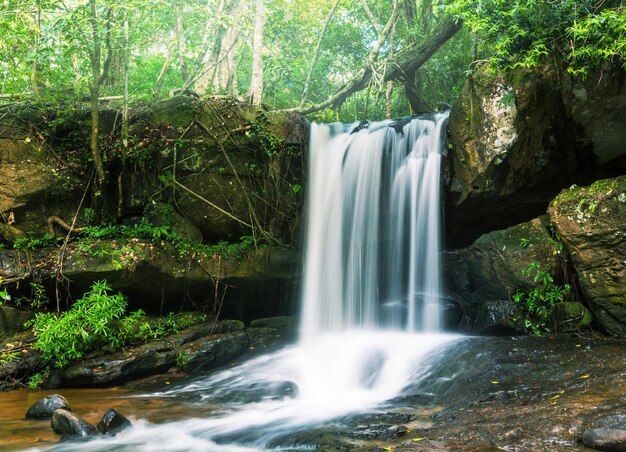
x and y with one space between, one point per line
286 390
70 425
481 278
45 407
113 422
379 432
12 320
616 421
592 223
598 105
608 439
203 347
571 316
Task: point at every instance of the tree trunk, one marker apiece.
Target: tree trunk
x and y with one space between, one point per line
180 38
413 88
256 83
95 55
316 54
166 65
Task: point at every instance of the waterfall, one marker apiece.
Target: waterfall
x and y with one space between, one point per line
370 302
373 234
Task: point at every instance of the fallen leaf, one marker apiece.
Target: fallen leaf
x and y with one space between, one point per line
556 396
584 376
418 439
495 382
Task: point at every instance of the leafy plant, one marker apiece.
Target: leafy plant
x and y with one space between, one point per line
536 305
33 242
181 361
8 357
39 296
35 380
4 294
67 336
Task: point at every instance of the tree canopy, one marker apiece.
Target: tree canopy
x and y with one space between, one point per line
344 59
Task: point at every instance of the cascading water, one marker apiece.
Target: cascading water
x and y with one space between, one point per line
371 285
373 239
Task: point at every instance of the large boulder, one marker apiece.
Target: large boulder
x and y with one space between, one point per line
516 141
231 166
206 345
481 279
592 223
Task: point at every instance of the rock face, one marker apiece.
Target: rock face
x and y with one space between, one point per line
205 346
598 105
158 278
481 279
212 170
43 408
516 142
592 223
12 320
71 426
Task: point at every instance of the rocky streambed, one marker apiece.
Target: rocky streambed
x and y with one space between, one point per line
484 394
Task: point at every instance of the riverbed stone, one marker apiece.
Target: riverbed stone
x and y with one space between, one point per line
70 425
46 406
592 223
608 439
615 421
113 422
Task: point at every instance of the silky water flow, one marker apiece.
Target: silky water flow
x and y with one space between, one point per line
370 320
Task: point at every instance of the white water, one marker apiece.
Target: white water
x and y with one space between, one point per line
372 283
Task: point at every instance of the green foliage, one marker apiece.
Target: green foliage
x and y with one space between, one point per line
65 337
4 294
536 305
96 320
8 357
530 33
39 298
269 143
32 242
35 380
181 361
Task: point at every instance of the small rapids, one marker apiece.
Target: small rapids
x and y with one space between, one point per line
293 389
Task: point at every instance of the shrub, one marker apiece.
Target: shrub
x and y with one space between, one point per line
67 336
536 305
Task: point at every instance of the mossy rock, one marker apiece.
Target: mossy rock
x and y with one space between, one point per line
592 223
571 316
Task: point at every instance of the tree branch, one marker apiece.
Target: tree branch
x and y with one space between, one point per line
406 60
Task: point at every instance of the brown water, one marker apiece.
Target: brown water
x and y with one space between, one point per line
17 432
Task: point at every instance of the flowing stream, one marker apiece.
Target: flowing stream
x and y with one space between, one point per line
370 318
